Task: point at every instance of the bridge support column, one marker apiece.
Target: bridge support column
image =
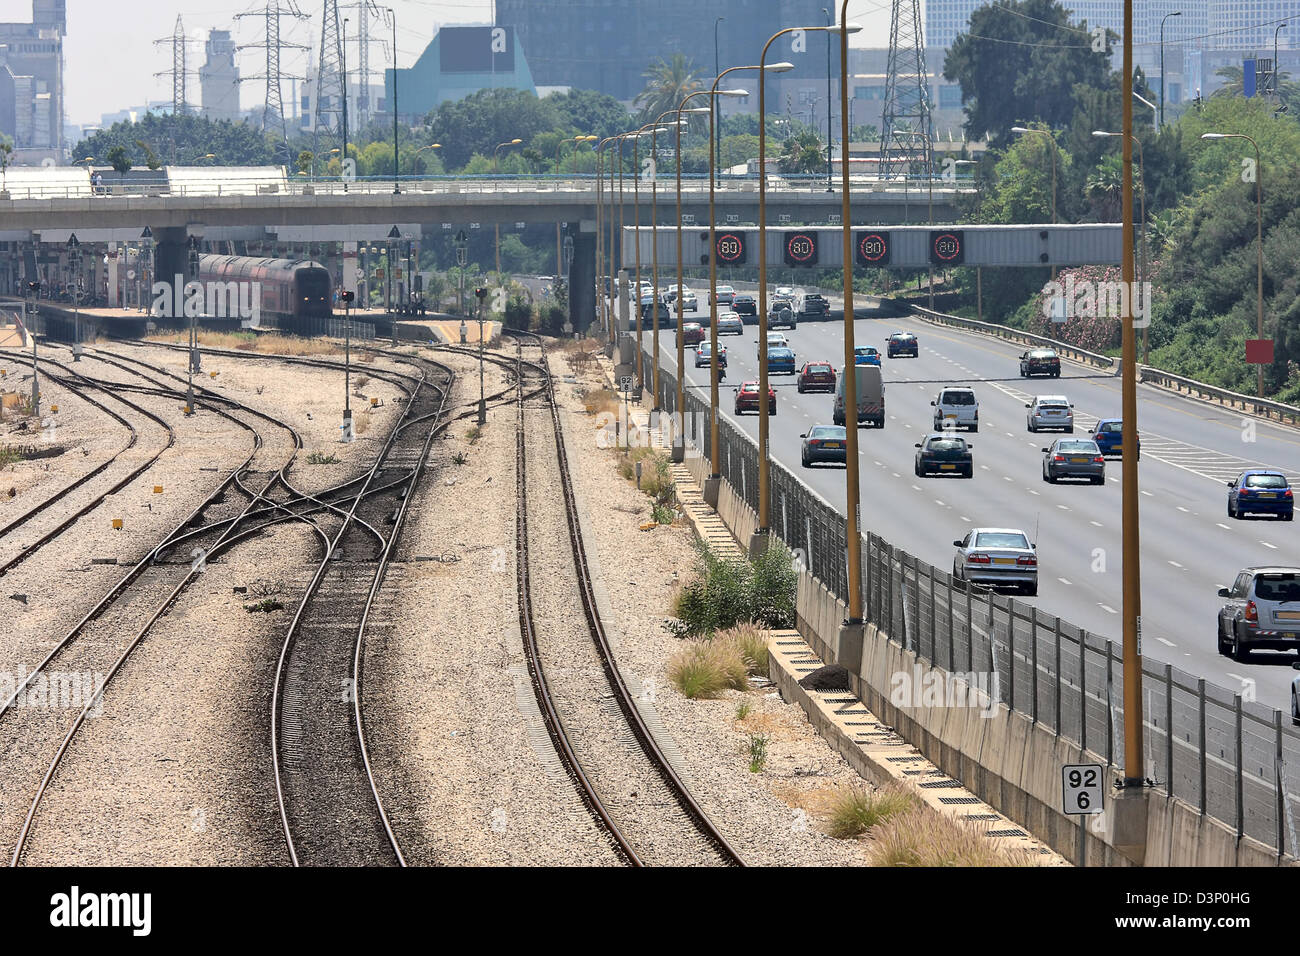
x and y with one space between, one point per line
171 255
582 275
114 261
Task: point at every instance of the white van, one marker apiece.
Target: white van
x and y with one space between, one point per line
956 407
870 388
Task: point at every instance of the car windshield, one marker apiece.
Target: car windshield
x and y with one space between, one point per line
947 444
749 387
1265 481
828 431
818 369
1001 539
779 353
1042 354
865 350
1113 427
902 338
958 398
1078 447
1278 587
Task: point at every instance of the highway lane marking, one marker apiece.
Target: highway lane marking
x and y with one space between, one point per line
940 503
964 518
1064 507
1148 494
897 475
1236 677
1267 545
1065 581
1175 564
1223 526
1107 608
1007 478
1032 492
1096 524
1182 509
984 467
916 487
1166 643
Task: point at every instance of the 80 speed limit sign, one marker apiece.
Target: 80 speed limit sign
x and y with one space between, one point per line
1082 788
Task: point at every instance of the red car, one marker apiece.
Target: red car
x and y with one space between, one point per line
692 333
816 377
747 398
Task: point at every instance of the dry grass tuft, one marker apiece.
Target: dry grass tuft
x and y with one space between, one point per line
601 400
704 669
921 836
856 810
271 344
750 641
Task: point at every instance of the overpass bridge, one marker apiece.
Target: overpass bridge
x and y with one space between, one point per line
225 205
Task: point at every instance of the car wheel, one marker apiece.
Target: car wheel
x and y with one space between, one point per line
772 410
1224 646
1030 426
1232 512
1051 478
1099 480
1295 709
919 473
1069 430
799 388
1240 649
974 428
805 459
1031 590
1288 516
970 472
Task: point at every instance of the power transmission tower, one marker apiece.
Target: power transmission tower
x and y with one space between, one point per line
364 9
329 71
178 73
907 127
273 113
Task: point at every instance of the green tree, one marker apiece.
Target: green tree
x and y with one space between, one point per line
1019 63
668 82
478 122
183 139
588 112
120 160
804 153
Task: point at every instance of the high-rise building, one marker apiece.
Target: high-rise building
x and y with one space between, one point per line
219 78
944 19
608 45
31 83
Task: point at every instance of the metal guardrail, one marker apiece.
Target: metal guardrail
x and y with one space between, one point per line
1229 757
1262 407
583 184
1014 335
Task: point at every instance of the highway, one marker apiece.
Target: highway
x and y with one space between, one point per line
1189 450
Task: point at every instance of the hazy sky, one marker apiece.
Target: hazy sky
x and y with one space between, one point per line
111 58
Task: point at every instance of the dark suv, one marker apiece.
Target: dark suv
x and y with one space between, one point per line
1040 362
814 305
1261 609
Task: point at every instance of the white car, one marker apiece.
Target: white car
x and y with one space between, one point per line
1050 411
958 406
731 323
785 292
777 340
997 557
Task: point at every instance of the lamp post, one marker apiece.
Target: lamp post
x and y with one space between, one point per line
1155 110
1275 70
764 450
392 20
1176 13
636 207
679 439
343 68
496 158
74 274
1142 270
829 155
194 332
715 108
1052 140
1259 243
559 235
33 310
852 491
654 249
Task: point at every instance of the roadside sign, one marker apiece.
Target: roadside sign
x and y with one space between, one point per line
1081 788
626 383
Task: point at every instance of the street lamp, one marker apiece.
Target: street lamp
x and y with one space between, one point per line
74 268
1275 71
829 155
764 450
654 239
679 439
1142 185
194 363
496 157
1052 140
715 113
1155 110
1259 243
1176 13
852 491
559 236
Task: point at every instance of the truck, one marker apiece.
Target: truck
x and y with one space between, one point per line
869 387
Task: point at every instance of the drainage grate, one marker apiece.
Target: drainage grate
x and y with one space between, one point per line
840 700
956 801
913 773
860 723
788 643
896 759
940 784
1006 833
982 816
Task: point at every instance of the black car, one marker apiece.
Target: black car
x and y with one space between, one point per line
824 443
814 305
746 305
903 343
1040 362
945 454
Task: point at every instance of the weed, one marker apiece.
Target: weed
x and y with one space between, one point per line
461 458
724 593
473 435
269 344
921 836
321 458
601 400
264 607
775 582
266 589
857 809
757 752
9 456
744 709
704 669
750 642
661 514
260 389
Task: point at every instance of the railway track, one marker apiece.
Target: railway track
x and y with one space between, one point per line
631 788
330 806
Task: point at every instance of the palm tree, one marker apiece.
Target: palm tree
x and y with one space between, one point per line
1104 187
668 83
1233 84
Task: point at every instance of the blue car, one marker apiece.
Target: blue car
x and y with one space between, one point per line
866 355
780 361
1260 491
1109 436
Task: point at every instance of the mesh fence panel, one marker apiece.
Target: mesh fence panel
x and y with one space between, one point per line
1045 667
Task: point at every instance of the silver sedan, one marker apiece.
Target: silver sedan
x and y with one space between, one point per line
730 323
997 557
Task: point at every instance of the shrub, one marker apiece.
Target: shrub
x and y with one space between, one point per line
857 809
921 836
320 458
461 458
724 593
744 709
9 456
757 752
